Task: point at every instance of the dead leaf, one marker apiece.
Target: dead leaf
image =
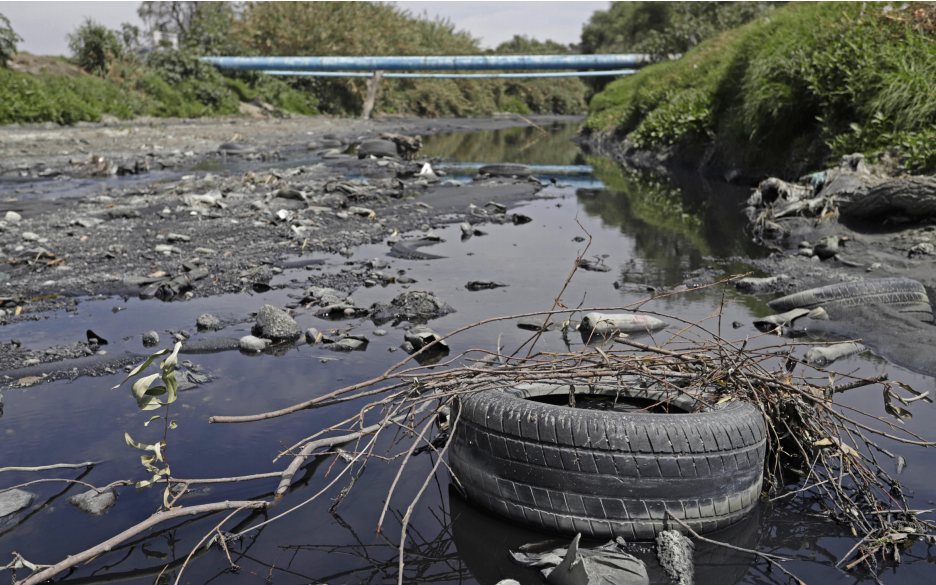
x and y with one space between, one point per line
29 380
19 309
157 274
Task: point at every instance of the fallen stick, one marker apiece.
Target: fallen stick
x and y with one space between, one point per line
153 520
48 467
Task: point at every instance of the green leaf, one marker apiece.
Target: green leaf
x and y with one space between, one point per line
171 386
143 366
148 461
136 444
146 424
139 389
172 360
173 424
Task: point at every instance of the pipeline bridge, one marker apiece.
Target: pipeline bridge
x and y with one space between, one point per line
454 67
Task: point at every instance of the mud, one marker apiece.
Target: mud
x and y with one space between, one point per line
178 232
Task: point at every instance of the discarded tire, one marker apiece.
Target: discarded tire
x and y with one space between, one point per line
608 473
903 294
506 170
378 148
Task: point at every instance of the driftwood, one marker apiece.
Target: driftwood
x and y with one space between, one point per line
133 531
913 197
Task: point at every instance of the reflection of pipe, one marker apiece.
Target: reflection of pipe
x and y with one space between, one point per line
577 182
459 63
552 74
537 169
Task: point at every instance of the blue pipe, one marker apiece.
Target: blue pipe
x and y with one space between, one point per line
613 72
460 63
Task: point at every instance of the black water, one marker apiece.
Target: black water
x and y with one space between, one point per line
652 232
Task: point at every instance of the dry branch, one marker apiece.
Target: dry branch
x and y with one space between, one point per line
153 520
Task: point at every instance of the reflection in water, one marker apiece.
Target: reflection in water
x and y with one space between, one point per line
674 229
529 145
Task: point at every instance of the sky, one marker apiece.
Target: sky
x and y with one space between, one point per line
44 25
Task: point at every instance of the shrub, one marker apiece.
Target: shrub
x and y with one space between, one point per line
95 47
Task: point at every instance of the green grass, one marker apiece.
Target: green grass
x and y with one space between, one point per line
63 99
814 81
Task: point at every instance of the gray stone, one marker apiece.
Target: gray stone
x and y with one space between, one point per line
311 334
380 332
208 322
251 343
30 236
275 324
411 305
12 218
93 502
150 339
14 500
205 251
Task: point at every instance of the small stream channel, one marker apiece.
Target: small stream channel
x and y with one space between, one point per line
651 232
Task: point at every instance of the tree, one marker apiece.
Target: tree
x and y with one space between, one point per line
173 17
96 47
624 26
662 28
8 40
523 45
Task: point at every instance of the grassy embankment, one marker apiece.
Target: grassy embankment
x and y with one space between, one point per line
790 92
174 83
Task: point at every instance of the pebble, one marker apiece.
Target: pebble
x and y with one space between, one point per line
380 332
205 251
30 236
251 343
207 321
12 218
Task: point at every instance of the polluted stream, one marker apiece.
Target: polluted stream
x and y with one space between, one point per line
646 233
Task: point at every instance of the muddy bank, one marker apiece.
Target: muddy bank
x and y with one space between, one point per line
811 245
191 234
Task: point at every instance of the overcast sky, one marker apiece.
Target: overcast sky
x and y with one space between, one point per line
44 25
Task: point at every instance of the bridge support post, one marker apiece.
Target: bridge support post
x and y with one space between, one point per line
372 85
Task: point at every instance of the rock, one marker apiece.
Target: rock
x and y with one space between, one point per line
12 218
596 265
380 332
675 554
536 322
476 285
30 236
251 344
421 336
466 228
208 322
177 238
377 148
752 284
411 305
95 503
346 342
14 500
922 249
275 324
205 251
312 335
